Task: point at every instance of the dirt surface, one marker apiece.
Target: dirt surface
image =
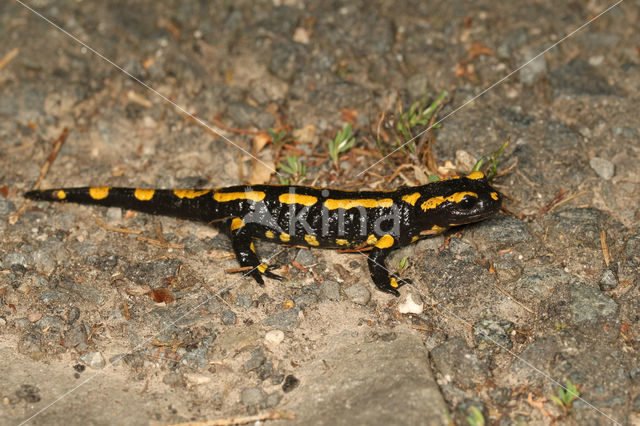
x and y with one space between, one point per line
101 326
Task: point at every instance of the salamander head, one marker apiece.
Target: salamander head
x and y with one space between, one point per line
461 200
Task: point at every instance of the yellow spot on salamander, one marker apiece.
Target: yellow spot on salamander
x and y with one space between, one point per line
232 196
495 196
61 195
346 204
434 202
262 267
311 240
252 247
342 242
236 223
414 238
143 194
99 192
305 200
394 282
475 175
189 193
269 234
285 238
371 239
437 228
411 199
385 241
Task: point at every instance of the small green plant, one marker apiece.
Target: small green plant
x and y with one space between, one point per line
476 418
343 141
294 168
566 396
279 138
415 120
403 263
493 169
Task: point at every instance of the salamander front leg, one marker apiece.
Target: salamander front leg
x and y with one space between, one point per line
380 273
245 251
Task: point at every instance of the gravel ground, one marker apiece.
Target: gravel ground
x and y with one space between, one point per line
500 312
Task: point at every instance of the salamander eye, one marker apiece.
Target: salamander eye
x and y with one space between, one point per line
468 202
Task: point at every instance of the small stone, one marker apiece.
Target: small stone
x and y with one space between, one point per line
534 71
305 257
412 304
272 400
305 300
197 379
358 293
290 383
330 289
114 214
173 379
75 336
6 207
603 168
34 316
257 359
265 370
252 396
274 337
228 317
608 280
285 320
15 258
93 360
493 332
245 300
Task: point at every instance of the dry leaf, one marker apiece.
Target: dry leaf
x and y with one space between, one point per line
259 142
162 295
261 173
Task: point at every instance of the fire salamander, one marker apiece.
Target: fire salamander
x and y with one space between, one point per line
373 221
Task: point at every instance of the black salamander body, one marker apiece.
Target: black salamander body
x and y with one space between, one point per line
373 221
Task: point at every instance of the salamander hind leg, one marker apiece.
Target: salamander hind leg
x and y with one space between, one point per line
389 283
245 252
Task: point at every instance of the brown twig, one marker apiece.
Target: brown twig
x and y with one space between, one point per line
605 247
566 200
271 415
43 172
158 243
8 57
114 229
522 305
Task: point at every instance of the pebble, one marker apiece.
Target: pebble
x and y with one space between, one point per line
257 359
274 337
228 317
114 215
197 379
608 280
272 400
6 207
603 168
305 257
93 360
290 383
75 336
172 379
412 304
285 320
252 396
14 258
358 293
493 332
330 289
534 71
